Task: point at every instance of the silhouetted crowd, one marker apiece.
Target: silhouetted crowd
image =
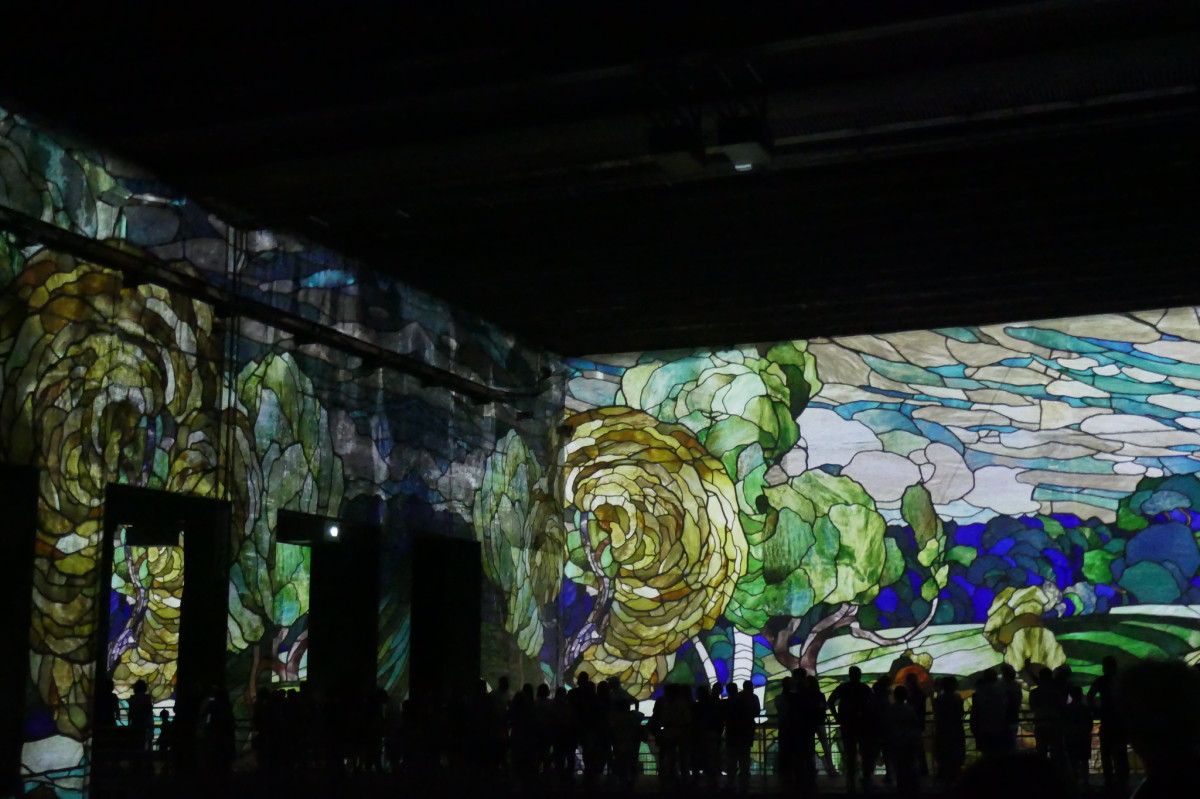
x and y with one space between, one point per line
909 733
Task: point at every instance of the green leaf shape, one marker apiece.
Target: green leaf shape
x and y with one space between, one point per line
297 469
729 399
819 539
1097 565
525 548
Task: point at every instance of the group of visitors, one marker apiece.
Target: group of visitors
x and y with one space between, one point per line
886 724
903 729
594 731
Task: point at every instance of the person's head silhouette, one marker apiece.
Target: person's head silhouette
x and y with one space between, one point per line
855 674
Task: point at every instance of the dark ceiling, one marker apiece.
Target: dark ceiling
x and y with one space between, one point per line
571 178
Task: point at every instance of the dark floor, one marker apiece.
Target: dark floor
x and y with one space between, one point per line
259 786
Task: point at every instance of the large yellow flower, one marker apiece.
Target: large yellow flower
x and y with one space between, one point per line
655 536
101 384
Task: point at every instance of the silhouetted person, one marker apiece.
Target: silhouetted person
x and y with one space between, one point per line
108 707
501 701
1160 705
851 703
988 708
711 717
787 718
904 742
919 702
1114 745
626 726
141 717
877 740
949 738
814 687
592 731
1077 730
1012 704
672 724
704 755
166 735
566 737
217 731
1049 706
741 710
543 724
1009 775
523 740
812 719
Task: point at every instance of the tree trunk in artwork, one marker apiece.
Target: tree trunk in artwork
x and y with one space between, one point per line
743 656
710 671
782 645
846 615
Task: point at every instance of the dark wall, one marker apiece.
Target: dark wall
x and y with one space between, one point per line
18 497
447 578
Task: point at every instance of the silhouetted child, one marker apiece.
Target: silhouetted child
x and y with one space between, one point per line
166 735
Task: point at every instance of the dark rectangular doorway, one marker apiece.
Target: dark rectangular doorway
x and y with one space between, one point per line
18 526
447 580
342 640
166 560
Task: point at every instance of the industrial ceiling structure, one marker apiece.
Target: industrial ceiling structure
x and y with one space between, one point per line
676 174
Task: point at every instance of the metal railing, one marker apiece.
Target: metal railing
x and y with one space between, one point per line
765 748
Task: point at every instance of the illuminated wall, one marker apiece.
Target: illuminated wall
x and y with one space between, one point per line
103 382
954 499
950 499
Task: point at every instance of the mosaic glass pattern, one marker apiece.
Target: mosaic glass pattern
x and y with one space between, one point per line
939 500
103 381
143 618
945 500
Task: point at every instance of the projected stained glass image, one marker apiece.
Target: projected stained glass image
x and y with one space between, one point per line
941 500
290 640
144 611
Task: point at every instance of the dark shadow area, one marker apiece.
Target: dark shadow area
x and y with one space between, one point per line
18 526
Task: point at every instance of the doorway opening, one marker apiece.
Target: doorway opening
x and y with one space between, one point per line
166 566
333 643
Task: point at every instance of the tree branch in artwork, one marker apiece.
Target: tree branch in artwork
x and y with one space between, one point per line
591 633
128 637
